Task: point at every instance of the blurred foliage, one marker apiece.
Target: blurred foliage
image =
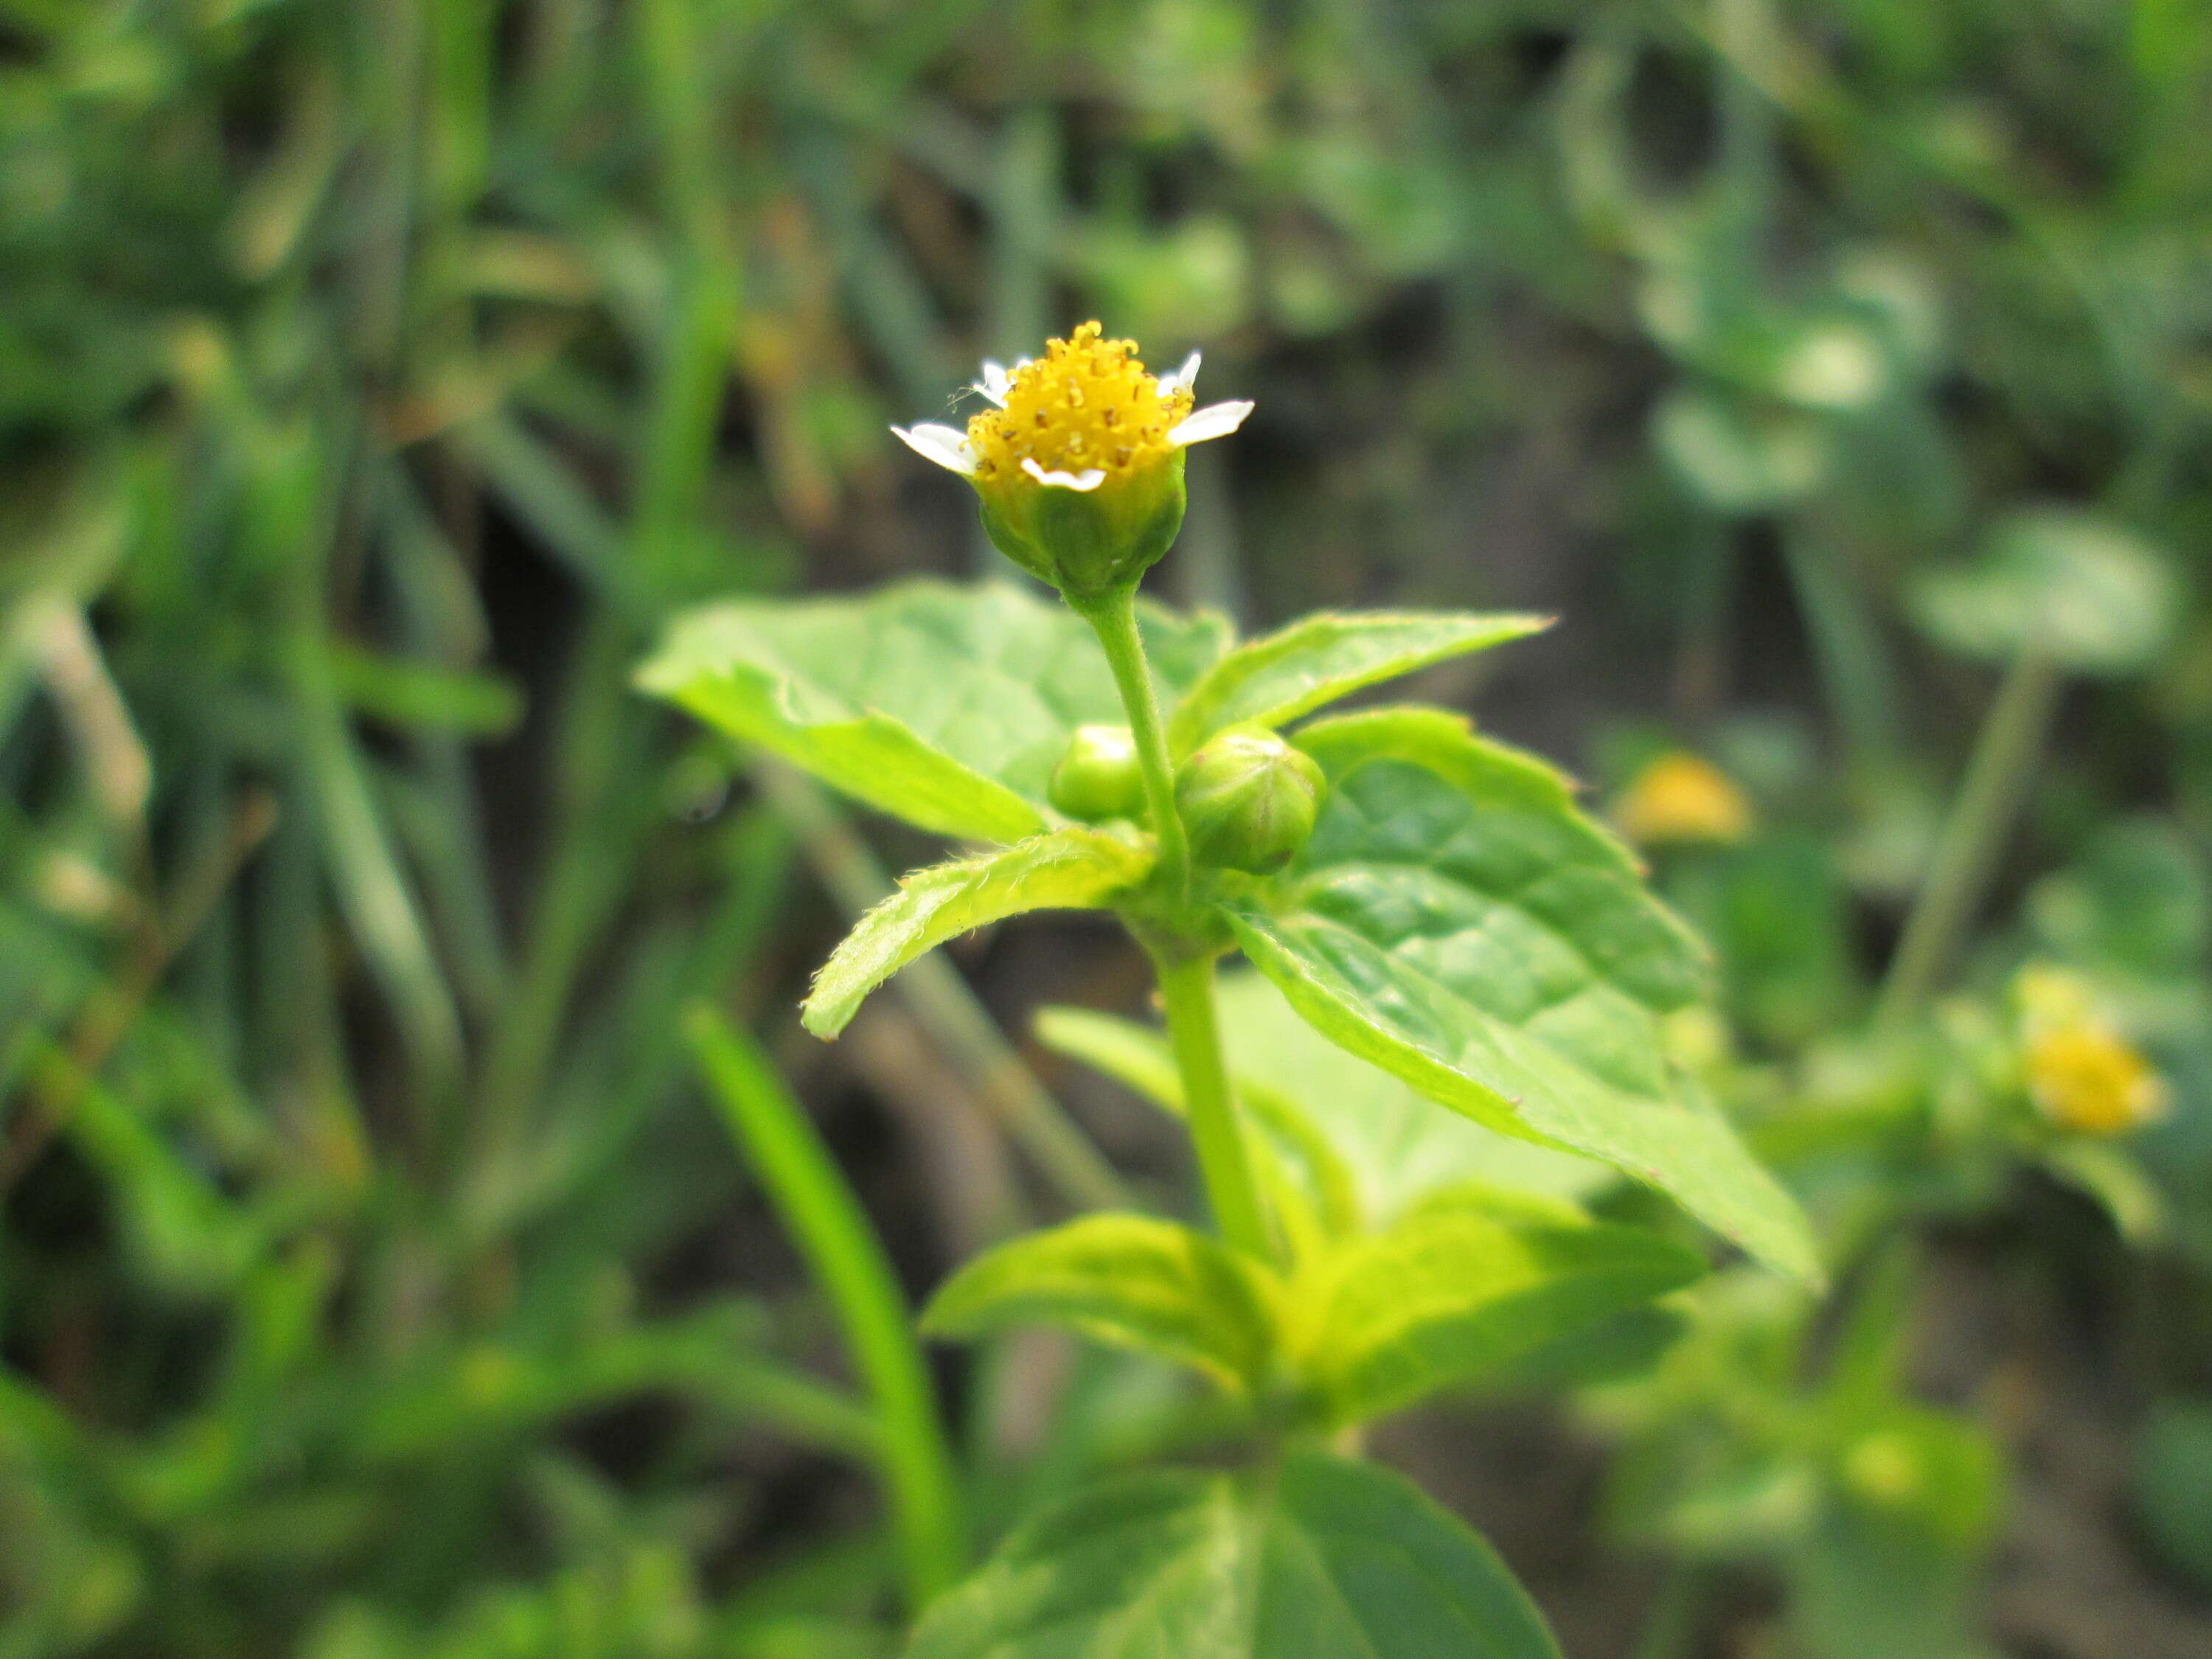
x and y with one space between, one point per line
374 376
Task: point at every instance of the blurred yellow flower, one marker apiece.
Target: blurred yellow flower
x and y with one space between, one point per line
1681 797
2085 1077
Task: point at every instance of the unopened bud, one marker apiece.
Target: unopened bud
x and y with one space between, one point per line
1098 777
1249 800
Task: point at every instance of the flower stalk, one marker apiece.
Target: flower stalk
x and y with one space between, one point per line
1185 974
1113 619
1194 1034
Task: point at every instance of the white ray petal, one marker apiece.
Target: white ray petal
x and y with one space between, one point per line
1214 420
994 382
1183 378
1090 478
945 444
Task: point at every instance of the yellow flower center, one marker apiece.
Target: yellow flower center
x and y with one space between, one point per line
2086 1078
1088 402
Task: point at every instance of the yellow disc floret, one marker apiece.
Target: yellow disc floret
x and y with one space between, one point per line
1088 402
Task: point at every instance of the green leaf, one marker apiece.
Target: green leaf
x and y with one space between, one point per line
1130 1280
1399 1148
1312 1186
1270 682
1459 1288
1626 1346
2073 585
1457 923
1361 1145
1329 1559
946 706
1067 869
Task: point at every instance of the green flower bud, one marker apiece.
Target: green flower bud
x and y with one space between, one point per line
1098 777
1247 799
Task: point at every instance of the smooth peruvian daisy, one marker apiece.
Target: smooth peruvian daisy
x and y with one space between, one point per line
1078 461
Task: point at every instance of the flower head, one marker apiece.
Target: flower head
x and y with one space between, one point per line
1680 797
2088 1079
2082 1075
1078 462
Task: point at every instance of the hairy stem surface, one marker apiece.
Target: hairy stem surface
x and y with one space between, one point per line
1186 975
1114 618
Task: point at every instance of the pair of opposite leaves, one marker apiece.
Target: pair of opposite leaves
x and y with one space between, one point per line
1455 919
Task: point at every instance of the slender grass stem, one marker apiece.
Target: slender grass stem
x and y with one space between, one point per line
1114 618
1988 802
827 1222
1194 1033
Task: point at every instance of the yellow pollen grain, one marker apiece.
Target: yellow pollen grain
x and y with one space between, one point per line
1087 402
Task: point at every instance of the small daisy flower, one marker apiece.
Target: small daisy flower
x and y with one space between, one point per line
1079 460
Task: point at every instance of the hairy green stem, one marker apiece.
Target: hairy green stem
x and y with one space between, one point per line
1989 797
1114 618
1186 975
830 1230
1194 1033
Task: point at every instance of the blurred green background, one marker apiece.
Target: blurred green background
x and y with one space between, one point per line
376 376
